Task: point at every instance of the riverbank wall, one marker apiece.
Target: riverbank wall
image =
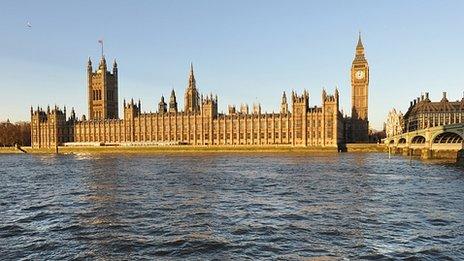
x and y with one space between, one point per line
9 150
428 154
170 149
355 148
366 147
425 154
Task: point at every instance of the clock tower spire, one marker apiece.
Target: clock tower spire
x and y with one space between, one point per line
359 46
359 95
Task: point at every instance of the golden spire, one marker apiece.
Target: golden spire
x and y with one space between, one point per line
192 82
360 45
359 49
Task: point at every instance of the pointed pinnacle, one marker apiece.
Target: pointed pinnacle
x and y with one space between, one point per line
359 45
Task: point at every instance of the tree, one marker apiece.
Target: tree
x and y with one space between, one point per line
17 133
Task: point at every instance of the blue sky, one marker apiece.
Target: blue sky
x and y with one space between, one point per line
245 51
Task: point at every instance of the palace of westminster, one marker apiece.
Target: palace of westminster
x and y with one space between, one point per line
199 123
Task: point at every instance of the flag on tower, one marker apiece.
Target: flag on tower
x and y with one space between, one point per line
100 41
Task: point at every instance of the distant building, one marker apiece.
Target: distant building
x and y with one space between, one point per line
394 124
423 113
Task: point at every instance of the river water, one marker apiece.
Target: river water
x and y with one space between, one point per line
229 207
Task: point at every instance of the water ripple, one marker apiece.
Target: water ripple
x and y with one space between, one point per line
230 207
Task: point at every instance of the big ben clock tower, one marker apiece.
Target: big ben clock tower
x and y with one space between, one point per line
359 96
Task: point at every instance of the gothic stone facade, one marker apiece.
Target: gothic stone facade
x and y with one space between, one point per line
198 124
201 124
304 126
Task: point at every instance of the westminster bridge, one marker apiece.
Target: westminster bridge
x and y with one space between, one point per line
444 141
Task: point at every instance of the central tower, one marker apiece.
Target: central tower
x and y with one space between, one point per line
192 97
102 91
359 95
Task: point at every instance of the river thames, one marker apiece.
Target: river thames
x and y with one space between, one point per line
230 207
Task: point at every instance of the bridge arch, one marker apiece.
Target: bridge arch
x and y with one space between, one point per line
392 141
419 139
447 137
402 141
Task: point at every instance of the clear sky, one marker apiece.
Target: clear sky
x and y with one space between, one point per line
245 51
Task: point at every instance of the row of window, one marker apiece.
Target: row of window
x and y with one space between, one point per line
136 130
184 137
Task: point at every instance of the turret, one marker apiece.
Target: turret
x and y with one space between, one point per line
115 67
209 106
132 110
102 64
300 103
173 102
89 66
284 104
72 117
324 94
162 106
231 109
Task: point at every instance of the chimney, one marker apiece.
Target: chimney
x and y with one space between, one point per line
422 97
444 95
427 96
410 104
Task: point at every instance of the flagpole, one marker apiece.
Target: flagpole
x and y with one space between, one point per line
102 46
101 43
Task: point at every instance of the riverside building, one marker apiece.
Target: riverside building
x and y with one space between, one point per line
200 123
424 113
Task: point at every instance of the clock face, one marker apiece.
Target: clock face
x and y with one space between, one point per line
359 75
